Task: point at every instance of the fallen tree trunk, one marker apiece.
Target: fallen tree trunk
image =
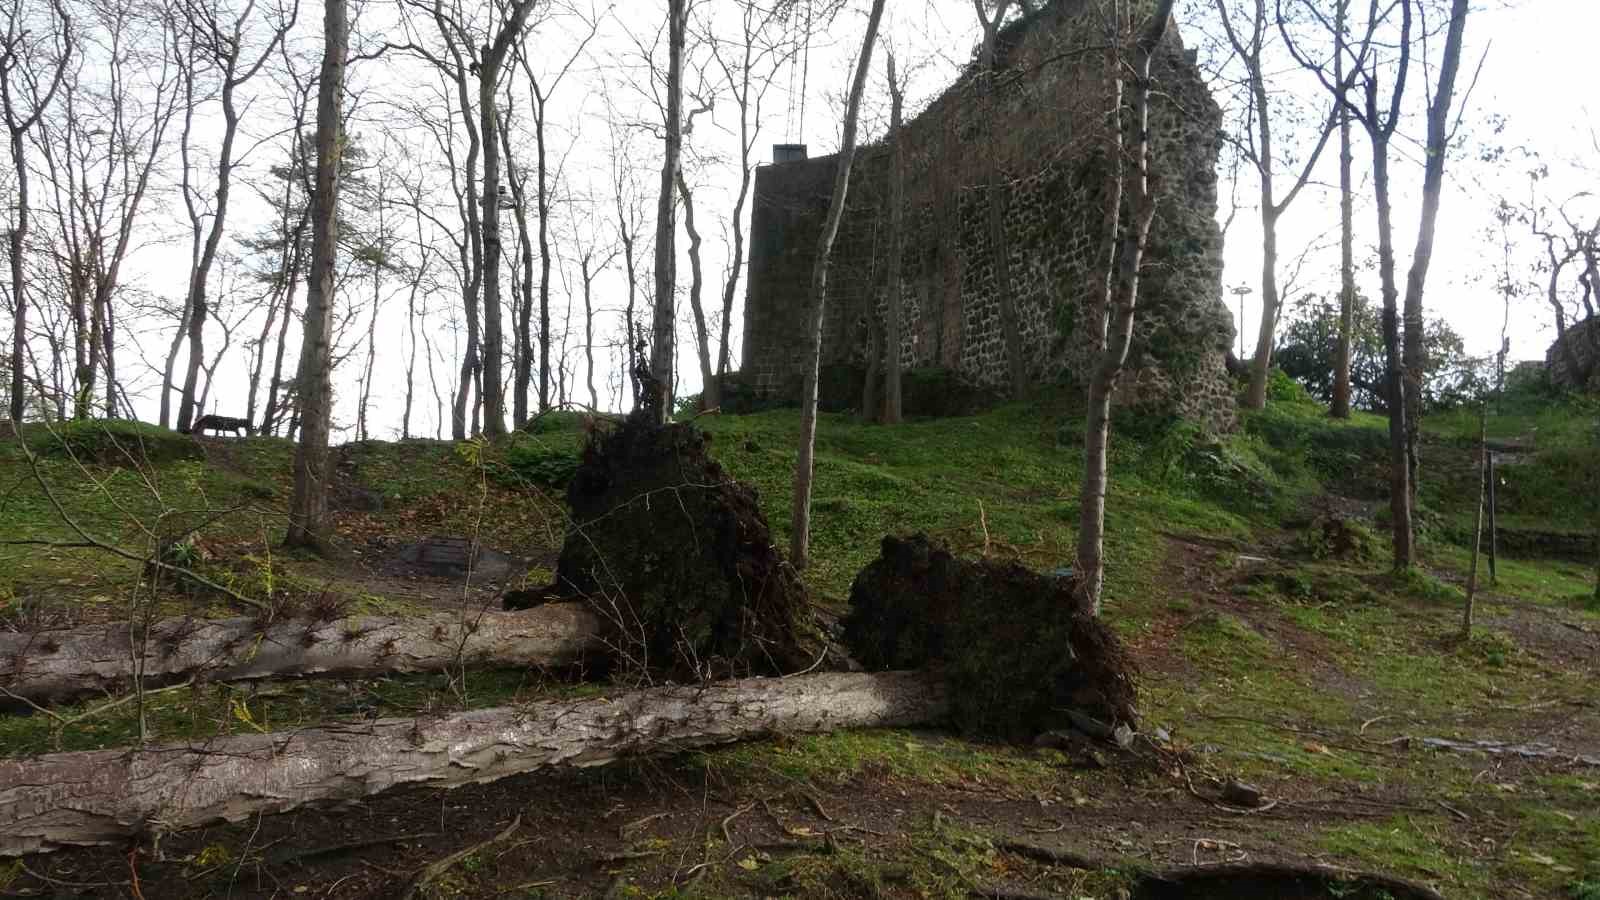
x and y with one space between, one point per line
103 796
53 666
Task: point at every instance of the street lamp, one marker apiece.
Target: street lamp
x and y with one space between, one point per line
1241 292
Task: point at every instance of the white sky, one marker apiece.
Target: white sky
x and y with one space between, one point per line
1537 74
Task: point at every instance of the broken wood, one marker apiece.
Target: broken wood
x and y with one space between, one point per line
104 796
52 666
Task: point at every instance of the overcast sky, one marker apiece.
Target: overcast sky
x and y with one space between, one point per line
1537 75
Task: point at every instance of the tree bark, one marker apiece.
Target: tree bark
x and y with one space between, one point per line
663 345
709 397
19 299
897 244
226 48
105 796
1347 265
1272 210
544 256
309 505
56 666
494 415
1123 262
1403 539
17 126
1432 191
1477 525
800 528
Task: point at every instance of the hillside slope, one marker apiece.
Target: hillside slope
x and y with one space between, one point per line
1270 654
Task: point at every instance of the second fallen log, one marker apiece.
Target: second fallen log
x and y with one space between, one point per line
105 796
53 666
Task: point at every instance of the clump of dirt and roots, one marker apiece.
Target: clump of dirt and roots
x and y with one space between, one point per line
1014 655
676 556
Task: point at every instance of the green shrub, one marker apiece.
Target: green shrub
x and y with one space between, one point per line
555 421
548 464
114 442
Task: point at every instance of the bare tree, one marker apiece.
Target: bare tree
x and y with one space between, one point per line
307 513
663 347
1380 121
1259 149
1127 137
800 528
27 60
702 336
897 244
542 88
219 37
749 66
1340 408
493 59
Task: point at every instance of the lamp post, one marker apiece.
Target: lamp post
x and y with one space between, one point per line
1241 292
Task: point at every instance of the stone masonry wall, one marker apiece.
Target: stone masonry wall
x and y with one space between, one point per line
1048 102
1584 340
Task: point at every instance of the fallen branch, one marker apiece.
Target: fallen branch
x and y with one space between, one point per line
1500 748
52 666
105 796
432 871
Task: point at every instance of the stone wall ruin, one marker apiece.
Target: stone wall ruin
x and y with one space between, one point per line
1045 136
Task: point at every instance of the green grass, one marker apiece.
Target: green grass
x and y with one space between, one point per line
954 478
1273 667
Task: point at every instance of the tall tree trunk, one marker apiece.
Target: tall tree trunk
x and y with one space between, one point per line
1399 466
19 297
17 125
493 341
522 371
897 243
800 528
1347 240
588 331
1432 191
544 255
473 258
202 271
1477 524
309 506
663 348
372 358
270 417
108 796
730 287
109 343
709 398
1125 255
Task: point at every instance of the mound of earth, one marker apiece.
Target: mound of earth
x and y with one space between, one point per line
1017 660
676 556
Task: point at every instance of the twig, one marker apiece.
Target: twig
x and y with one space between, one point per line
639 823
1046 854
816 804
348 846
59 882
434 870
726 833
983 522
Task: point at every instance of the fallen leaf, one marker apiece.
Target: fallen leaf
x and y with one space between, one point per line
749 864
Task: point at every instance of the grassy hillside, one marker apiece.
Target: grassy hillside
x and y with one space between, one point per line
1265 657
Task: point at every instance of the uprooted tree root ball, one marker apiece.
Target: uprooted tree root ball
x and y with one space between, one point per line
676 556
1014 655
